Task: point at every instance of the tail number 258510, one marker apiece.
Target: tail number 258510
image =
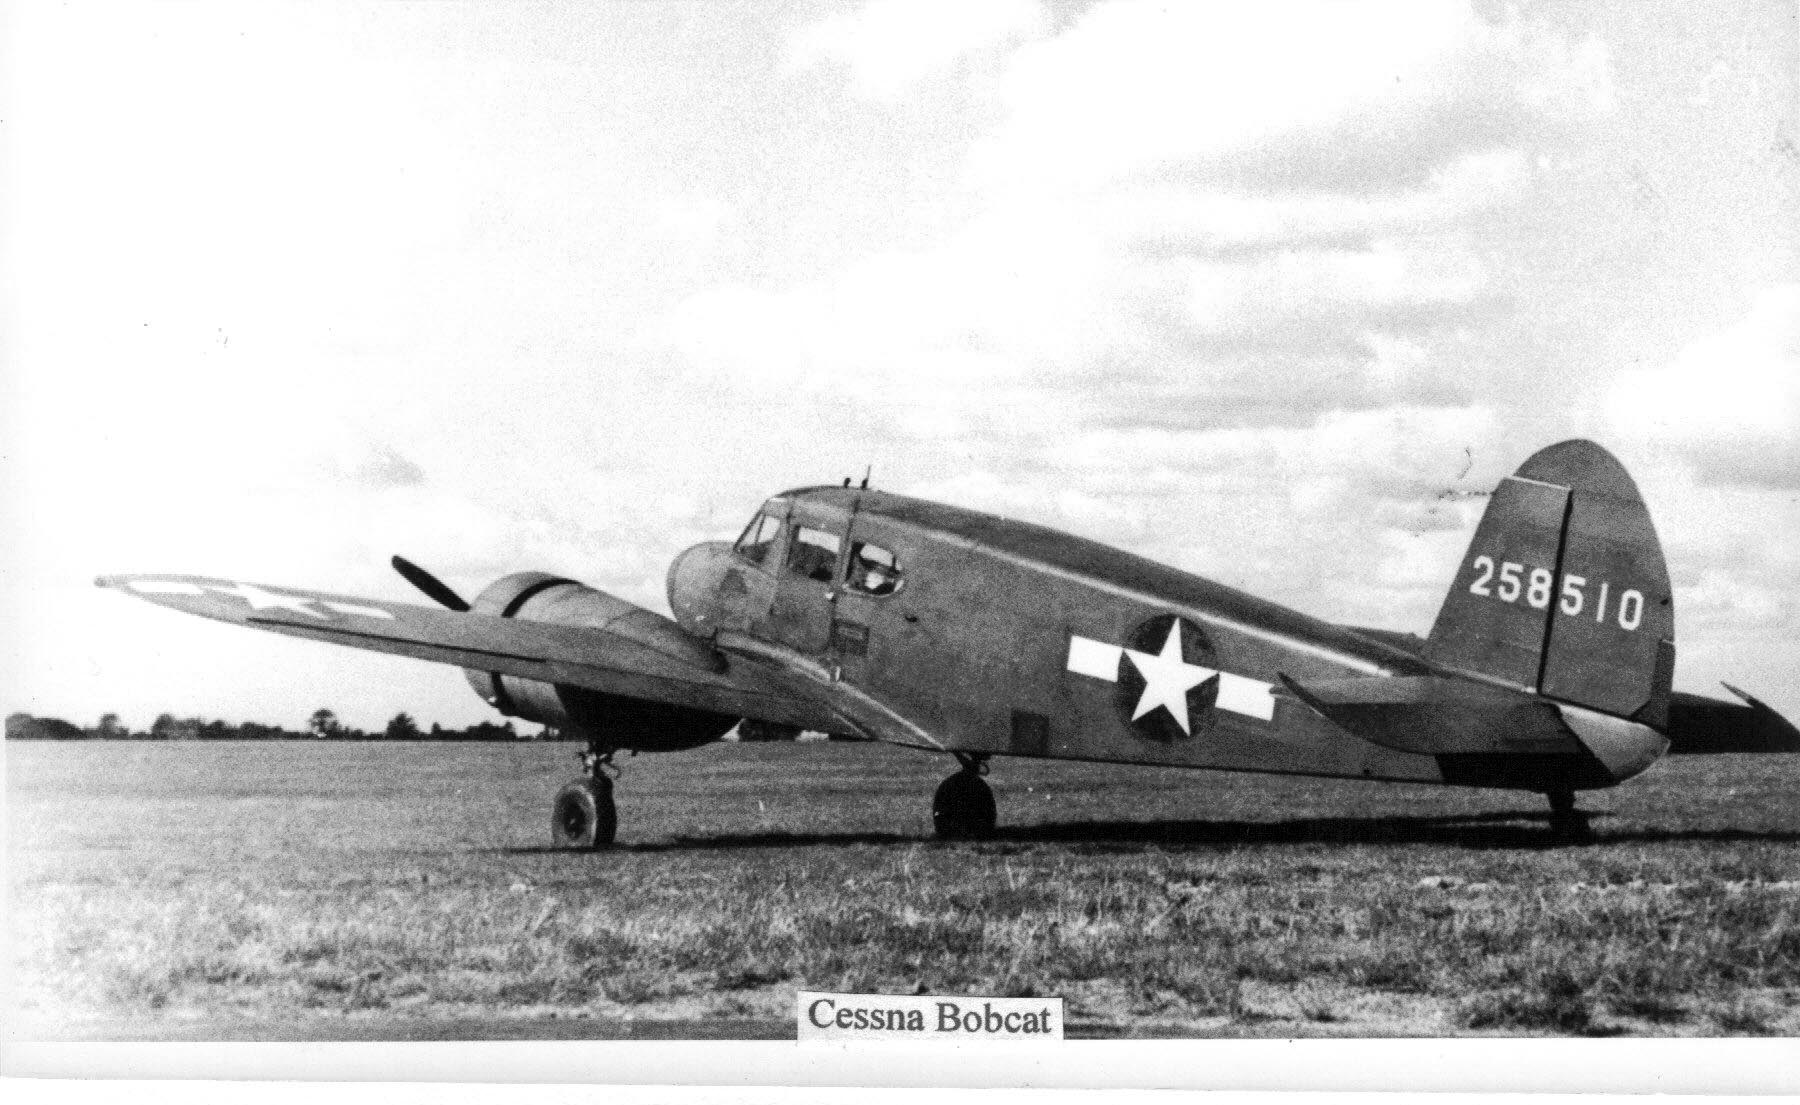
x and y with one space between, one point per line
1508 582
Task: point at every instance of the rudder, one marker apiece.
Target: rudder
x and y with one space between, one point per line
1564 590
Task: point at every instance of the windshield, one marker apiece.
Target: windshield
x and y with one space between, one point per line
758 538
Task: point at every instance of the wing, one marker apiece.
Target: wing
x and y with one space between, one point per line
667 667
1702 725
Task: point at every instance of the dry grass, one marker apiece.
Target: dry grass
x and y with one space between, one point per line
265 883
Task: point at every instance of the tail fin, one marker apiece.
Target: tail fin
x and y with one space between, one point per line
1564 590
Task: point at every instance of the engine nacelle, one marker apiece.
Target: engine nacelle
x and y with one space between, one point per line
616 721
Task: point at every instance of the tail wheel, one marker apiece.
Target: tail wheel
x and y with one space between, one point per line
963 808
1568 825
584 815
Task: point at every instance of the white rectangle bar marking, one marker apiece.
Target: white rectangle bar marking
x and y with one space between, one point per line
1241 695
365 611
1094 658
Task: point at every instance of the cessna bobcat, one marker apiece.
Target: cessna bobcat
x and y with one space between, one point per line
859 612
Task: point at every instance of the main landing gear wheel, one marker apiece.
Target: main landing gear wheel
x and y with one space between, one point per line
584 815
963 807
1568 825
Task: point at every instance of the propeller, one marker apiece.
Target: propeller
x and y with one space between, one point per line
434 587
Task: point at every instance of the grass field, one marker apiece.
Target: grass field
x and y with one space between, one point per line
283 889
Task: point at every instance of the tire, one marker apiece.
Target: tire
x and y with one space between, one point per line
1571 827
963 808
584 816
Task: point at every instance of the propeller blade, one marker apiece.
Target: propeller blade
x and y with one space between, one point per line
434 587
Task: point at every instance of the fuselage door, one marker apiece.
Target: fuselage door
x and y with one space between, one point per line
865 613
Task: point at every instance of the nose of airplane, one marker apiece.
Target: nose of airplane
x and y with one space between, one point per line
694 584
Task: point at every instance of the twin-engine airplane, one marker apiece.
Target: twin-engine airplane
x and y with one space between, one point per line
867 614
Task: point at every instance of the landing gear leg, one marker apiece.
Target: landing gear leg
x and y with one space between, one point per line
963 807
1568 824
584 816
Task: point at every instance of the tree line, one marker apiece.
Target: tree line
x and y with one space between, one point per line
323 725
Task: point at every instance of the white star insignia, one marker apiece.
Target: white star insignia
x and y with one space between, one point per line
260 599
1167 679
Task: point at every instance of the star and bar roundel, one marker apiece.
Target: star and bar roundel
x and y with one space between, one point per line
1167 679
259 599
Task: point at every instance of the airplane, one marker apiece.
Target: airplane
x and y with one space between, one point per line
871 615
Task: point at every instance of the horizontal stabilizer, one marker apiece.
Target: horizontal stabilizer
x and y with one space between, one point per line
1702 726
1436 716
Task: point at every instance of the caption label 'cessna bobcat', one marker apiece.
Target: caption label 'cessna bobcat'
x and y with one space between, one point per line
1508 582
826 1016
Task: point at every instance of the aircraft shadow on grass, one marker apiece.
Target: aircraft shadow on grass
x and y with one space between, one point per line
1475 831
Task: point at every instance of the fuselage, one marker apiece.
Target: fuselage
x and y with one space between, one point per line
973 633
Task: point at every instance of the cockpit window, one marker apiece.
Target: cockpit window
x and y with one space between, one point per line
873 569
814 553
759 537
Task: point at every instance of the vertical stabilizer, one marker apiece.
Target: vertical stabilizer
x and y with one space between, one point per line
1564 590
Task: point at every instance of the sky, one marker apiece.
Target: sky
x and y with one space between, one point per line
1264 291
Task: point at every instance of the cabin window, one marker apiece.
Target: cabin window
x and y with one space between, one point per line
759 537
873 569
814 554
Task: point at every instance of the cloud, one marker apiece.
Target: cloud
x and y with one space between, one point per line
889 46
1730 401
1125 266
1298 95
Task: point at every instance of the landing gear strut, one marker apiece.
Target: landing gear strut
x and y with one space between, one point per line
1568 824
584 815
963 807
